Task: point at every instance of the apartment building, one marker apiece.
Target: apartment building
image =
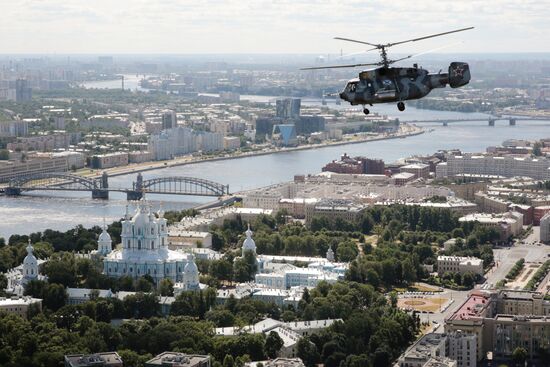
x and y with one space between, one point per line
504 320
333 209
507 224
507 166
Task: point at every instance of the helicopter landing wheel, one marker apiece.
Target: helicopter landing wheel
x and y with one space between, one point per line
400 106
366 111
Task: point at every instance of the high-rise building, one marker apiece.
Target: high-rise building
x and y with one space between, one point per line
309 124
285 135
14 128
23 93
288 108
169 120
264 125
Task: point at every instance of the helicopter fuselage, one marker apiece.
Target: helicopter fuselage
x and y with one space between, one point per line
389 84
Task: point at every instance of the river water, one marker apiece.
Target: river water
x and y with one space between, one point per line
63 210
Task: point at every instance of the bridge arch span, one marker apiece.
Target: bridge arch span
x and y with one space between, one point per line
181 185
53 181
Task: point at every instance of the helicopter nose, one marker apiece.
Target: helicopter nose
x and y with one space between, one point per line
342 95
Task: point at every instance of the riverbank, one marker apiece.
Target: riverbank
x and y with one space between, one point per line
405 131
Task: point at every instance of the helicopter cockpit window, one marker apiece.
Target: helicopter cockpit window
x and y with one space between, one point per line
352 87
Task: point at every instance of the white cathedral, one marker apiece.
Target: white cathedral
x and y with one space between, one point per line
144 251
19 276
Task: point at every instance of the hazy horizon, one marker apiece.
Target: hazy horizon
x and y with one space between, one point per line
175 27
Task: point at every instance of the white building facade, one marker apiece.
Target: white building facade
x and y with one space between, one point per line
459 264
144 249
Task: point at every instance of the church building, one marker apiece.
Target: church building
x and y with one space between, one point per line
144 248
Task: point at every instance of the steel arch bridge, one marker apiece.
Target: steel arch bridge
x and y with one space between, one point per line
180 185
99 187
53 181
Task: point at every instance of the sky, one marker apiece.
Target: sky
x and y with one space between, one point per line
267 26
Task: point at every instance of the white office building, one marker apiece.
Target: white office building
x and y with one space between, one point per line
537 168
458 264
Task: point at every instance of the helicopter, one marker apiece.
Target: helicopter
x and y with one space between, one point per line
397 84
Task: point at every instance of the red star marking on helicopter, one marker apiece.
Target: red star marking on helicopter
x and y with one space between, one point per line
459 71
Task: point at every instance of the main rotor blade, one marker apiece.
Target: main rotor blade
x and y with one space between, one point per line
350 40
430 36
424 52
357 53
340 66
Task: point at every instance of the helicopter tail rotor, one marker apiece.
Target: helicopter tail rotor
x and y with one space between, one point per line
459 74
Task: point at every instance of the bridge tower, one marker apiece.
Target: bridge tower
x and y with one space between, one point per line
13 191
103 191
512 121
491 122
137 189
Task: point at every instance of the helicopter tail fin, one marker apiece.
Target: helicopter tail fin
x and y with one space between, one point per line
459 74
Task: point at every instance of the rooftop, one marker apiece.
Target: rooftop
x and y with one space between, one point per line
18 301
174 359
474 306
98 359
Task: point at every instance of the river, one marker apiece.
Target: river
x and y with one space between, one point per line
38 211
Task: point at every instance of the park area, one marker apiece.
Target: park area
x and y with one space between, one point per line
422 304
523 278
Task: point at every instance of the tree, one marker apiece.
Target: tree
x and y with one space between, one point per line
537 151
468 280
126 283
221 269
61 269
457 278
132 358
319 222
307 352
409 271
217 241
220 317
144 285
104 310
347 251
393 299
245 267
273 344
228 361
54 296
457 233
281 215
519 355
166 287
366 223
141 305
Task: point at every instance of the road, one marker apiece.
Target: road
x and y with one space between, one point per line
437 319
505 258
